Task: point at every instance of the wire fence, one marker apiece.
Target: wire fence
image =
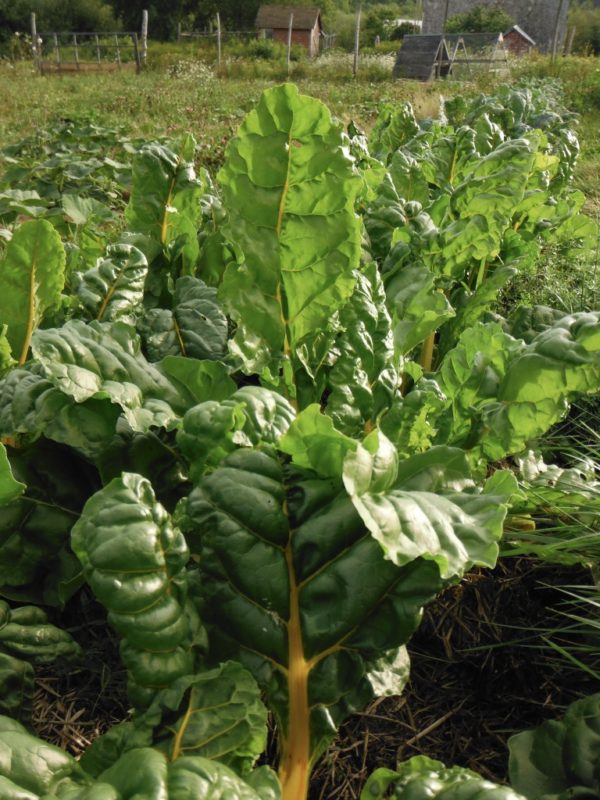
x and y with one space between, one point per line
222 42
67 51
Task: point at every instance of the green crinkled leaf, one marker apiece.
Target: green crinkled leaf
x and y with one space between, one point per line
217 714
394 126
32 276
152 455
6 359
252 416
82 210
559 758
418 308
114 289
289 187
10 488
35 770
527 321
314 442
34 527
252 517
364 378
425 518
470 306
504 393
16 690
134 561
146 773
422 778
494 185
200 380
104 360
411 422
165 197
408 178
469 377
448 157
31 406
26 633
32 765
390 219
194 327
461 244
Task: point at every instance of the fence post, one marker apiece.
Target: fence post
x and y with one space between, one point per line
289 47
118 51
218 39
76 51
356 42
570 41
35 45
136 53
144 48
56 52
556 27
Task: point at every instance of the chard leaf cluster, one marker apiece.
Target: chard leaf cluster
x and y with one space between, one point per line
262 424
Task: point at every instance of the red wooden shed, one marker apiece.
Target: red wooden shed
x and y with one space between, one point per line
274 22
518 42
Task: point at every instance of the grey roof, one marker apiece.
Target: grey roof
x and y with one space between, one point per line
305 19
521 32
417 56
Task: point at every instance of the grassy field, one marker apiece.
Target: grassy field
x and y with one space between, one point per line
180 93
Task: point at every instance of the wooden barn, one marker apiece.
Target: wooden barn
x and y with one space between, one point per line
274 21
518 42
422 58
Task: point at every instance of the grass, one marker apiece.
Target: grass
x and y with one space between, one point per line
187 96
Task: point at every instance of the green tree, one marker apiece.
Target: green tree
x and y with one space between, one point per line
55 15
480 19
586 21
163 15
380 21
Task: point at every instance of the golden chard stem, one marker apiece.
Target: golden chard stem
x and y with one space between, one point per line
294 771
426 359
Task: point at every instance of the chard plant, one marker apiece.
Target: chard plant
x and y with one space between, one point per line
230 440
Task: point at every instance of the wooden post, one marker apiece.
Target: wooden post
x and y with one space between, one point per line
35 45
289 47
556 27
179 31
570 41
56 52
144 50
136 53
97 47
76 51
356 41
445 16
118 49
218 39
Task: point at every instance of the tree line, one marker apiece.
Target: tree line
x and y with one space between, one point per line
166 15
